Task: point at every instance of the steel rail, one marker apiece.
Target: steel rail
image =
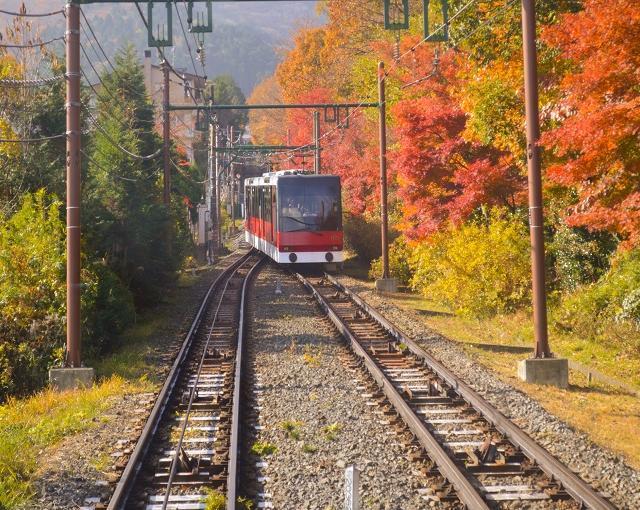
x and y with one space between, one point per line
580 490
466 491
232 478
134 465
194 390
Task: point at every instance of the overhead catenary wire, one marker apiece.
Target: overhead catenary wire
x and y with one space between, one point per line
8 82
121 177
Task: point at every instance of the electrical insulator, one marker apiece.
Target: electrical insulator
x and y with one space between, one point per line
396 48
201 55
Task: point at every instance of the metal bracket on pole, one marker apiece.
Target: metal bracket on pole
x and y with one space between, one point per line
396 14
199 26
443 35
159 40
345 124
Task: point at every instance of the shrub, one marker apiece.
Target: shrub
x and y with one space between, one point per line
476 269
399 267
608 310
362 236
578 256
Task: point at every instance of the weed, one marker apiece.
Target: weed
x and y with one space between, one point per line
292 428
101 462
310 357
402 347
243 503
332 431
215 500
309 448
262 448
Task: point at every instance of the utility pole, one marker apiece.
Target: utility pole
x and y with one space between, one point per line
166 133
556 371
74 133
233 198
386 283
317 168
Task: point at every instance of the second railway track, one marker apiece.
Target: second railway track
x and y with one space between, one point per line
484 460
189 445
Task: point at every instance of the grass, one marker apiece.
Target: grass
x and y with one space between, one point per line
29 426
262 448
609 416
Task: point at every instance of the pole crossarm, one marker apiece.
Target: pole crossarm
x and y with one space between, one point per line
215 107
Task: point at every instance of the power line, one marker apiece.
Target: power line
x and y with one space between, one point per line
29 140
8 82
116 144
32 45
31 15
121 177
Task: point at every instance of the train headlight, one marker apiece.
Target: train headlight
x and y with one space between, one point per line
293 257
328 256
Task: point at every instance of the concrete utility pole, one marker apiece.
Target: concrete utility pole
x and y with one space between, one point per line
166 133
550 371
210 189
386 283
317 162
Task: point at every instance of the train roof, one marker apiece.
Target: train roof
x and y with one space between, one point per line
272 177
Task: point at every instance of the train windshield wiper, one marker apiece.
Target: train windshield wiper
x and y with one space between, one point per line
300 221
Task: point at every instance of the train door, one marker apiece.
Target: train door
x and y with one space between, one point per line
274 216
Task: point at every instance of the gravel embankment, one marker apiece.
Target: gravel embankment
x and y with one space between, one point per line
605 470
305 387
82 470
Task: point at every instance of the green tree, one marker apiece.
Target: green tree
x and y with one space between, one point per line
126 224
226 91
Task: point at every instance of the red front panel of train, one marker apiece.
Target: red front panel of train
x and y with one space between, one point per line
309 241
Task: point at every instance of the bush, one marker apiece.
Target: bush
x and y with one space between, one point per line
33 297
362 236
578 256
476 269
608 310
399 256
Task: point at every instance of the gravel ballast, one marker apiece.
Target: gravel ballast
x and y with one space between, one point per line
313 411
603 469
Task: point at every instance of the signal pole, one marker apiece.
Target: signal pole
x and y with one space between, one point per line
166 133
542 369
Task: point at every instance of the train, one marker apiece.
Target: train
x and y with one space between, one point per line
295 217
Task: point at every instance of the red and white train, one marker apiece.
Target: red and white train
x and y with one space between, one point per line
295 217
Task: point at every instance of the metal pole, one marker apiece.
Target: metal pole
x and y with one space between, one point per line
536 223
210 188
383 171
217 194
233 199
166 133
316 142
73 184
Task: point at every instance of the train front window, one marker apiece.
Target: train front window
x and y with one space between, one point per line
311 204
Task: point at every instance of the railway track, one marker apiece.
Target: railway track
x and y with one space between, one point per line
189 445
480 458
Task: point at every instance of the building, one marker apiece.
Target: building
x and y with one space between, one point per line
183 123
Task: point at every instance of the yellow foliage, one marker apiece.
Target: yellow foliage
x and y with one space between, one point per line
476 269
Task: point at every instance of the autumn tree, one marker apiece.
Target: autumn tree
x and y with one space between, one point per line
598 140
267 126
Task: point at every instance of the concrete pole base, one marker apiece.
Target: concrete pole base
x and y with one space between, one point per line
63 379
387 285
551 371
